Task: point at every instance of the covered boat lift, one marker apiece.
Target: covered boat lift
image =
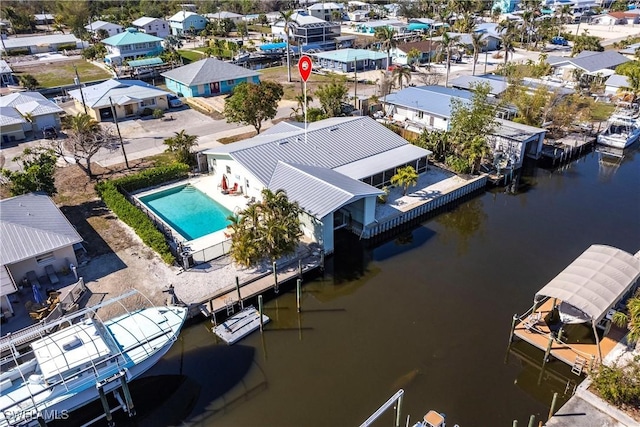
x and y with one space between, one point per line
589 290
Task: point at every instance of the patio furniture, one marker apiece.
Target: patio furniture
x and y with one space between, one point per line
234 189
53 277
33 278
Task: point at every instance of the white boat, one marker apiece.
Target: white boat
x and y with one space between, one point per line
621 131
60 371
240 325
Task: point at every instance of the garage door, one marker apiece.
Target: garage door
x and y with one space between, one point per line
6 284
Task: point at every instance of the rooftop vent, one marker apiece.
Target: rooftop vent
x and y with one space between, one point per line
333 129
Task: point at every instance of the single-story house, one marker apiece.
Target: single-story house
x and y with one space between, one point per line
589 62
498 85
44 18
630 51
131 44
325 11
346 60
12 125
206 77
427 48
187 22
219 16
334 183
129 98
153 26
615 84
619 18
42 44
34 234
38 111
111 28
430 108
491 41
6 74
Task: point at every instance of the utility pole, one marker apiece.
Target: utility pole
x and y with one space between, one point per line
355 81
115 119
77 82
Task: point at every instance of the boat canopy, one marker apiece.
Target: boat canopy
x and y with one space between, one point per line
595 281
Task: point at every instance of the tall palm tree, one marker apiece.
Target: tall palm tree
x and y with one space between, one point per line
508 31
386 35
405 177
447 44
286 15
181 144
478 42
401 74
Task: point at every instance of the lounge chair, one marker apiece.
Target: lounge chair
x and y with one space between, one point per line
234 189
33 278
53 277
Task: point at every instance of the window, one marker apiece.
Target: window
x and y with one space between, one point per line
228 169
231 82
148 102
431 121
45 258
420 114
162 25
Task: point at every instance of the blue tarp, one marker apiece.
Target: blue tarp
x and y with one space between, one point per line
273 46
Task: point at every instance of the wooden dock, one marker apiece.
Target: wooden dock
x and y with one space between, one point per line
564 149
537 333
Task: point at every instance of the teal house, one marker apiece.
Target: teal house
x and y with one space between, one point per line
131 44
187 23
207 77
346 60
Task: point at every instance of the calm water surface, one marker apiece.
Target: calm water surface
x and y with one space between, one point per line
428 311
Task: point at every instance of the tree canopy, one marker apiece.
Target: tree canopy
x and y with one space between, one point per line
37 167
251 103
269 229
181 144
331 96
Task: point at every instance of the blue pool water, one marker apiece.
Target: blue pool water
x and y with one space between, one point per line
188 211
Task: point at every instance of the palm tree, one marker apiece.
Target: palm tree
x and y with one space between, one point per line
478 42
405 177
386 35
507 30
632 320
181 144
401 73
413 55
288 21
447 44
475 150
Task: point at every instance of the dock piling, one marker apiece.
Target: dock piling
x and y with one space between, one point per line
515 423
239 295
514 320
275 278
260 310
299 294
553 405
322 260
546 357
300 268
532 421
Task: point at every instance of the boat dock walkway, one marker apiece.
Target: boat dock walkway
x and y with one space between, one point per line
567 148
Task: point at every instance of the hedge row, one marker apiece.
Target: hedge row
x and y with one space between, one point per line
136 219
151 177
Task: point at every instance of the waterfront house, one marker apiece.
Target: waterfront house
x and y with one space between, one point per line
128 97
37 111
131 44
427 48
206 77
588 63
574 310
6 74
430 107
616 84
153 26
348 60
309 32
335 183
34 234
326 11
187 23
41 44
112 29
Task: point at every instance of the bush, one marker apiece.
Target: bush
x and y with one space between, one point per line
619 385
158 113
135 219
151 177
68 46
18 52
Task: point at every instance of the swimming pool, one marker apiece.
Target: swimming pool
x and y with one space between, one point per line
188 211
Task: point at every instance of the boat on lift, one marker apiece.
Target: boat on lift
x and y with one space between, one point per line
622 129
49 370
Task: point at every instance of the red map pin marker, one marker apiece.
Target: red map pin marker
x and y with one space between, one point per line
304 67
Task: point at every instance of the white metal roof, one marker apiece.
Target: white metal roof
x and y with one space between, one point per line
595 281
31 225
380 162
121 92
9 116
18 42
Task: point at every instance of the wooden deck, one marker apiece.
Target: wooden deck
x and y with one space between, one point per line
538 336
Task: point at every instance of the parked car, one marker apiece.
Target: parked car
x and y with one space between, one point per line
560 41
50 132
174 101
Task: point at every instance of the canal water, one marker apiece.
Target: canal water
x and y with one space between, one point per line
428 311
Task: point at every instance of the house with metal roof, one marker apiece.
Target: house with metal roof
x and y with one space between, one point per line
12 125
208 77
6 74
498 85
111 28
335 170
615 84
326 11
221 15
42 44
430 108
185 22
309 32
587 62
34 234
348 60
38 111
126 97
153 26
630 51
131 44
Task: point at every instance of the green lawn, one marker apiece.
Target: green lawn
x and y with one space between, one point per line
602 111
57 74
190 56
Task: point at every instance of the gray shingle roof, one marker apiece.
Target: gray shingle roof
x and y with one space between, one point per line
206 71
329 144
319 191
31 225
435 100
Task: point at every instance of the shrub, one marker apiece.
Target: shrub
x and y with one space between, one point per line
619 385
146 112
135 219
158 113
151 177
